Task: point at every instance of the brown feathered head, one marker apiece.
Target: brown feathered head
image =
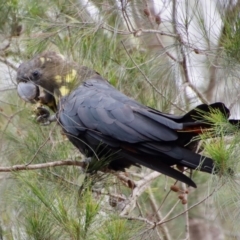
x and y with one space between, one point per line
49 76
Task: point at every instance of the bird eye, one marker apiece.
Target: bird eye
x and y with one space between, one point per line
35 73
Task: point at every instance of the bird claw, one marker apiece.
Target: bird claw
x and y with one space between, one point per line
44 117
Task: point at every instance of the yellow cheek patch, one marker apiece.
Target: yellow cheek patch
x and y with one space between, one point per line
64 90
42 60
58 79
70 77
49 59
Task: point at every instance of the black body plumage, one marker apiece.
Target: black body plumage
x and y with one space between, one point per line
98 119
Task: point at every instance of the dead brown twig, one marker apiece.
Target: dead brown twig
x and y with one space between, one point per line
42 165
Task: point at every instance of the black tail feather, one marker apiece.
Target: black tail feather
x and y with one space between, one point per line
196 161
159 166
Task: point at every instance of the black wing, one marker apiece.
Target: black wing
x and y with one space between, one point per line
97 113
100 107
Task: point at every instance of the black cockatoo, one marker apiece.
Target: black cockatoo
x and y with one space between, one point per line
100 120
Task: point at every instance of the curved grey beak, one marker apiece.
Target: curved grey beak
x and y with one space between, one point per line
28 91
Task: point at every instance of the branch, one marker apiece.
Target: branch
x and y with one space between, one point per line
9 120
141 219
184 57
163 227
158 32
9 64
125 16
186 210
141 186
187 230
138 31
154 224
16 168
183 63
10 88
128 182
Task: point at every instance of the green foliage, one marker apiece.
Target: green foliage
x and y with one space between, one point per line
9 19
231 41
231 33
118 229
48 211
220 149
56 211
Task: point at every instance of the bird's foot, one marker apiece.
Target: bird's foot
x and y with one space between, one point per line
44 117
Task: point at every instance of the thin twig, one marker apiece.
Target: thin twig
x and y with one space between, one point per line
187 236
41 146
163 227
99 192
140 30
8 103
158 32
171 210
184 57
148 81
170 219
10 88
139 208
125 17
143 232
128 182
194 205
8 121
141 219
164 199
159 39
43 165
5 61
154 224
141 186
